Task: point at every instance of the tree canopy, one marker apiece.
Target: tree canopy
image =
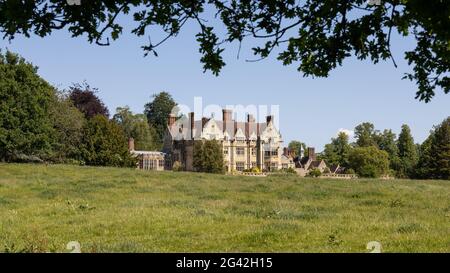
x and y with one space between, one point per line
315 36
157 112
85 99
295 146
366 135
337 152
136 126
434 159
407 152
26 129
369 161
208 157
104 144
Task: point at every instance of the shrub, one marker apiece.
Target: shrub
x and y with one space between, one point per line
369 161
314 173
208 157
350 171
105 144
177 166
290 170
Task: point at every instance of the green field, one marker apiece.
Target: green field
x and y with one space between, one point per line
42 208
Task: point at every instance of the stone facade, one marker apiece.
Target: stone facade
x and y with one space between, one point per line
245 144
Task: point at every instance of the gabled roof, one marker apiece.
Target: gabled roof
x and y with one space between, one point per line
315 163
181 128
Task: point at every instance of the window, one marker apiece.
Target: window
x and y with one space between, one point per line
240 151
240 166
253 151
267 153
274 152
273 166
285 166
150 164
225 151
254 165
161 163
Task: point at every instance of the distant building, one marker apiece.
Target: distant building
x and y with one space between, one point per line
245 144
147 160
308 163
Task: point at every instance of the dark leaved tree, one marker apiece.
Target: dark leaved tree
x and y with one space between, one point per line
85 99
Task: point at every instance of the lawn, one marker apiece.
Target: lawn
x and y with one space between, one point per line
42 208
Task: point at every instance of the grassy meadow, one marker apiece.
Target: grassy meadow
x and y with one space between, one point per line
42 208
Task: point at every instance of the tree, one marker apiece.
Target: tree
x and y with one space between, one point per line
85 99
336 152
208 157
434 162
369 161
157 112
104 144
387 142
26 129
295 146
365 135
68 122
424 169
136 127
406 152
317 36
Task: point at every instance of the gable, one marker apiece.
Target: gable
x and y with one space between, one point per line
240 134
271 134
211 130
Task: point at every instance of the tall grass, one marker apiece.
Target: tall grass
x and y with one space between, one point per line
42 208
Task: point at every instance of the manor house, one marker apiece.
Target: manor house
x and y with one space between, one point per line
245 144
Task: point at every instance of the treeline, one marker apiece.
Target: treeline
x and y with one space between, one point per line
39 123
375 153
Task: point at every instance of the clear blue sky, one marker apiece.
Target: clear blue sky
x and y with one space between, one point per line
311 110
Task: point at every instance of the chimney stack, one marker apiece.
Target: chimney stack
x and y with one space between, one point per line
250 118
172 119
192 120
131 144
226 118
311 153
249 125
269 119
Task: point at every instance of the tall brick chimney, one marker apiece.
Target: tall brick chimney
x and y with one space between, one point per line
172 119
249 125
226 118
269 119
131 144
311 153
192 121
